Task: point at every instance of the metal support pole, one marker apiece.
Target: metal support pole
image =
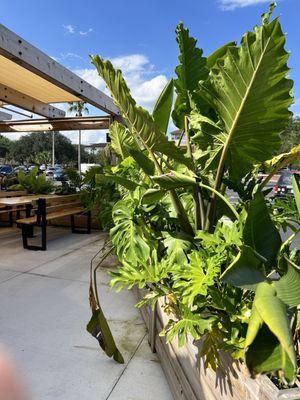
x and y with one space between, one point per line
79 152
53 149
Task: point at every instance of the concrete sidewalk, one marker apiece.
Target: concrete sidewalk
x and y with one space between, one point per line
43 314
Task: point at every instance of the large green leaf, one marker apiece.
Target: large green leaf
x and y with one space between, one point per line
249 90
245 271
260 232
98 327
219 53
142 160
120 136
127 235
296 189
162 109
191 69
265 355
174 180
127 183
143 127
284 159
152 195
178 245
268 309
288 286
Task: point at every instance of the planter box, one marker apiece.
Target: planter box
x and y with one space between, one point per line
187 378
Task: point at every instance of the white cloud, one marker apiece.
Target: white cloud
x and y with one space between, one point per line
69 29
84 33
233 4
87 137
70 55
145 84
72 30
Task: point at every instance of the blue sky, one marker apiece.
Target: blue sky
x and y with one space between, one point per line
139 35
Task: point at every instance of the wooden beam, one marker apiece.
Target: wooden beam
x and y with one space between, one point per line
23 53
58 124
11 96
4 115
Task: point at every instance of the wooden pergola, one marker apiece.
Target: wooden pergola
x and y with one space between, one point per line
33 81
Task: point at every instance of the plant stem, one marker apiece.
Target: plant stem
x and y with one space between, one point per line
199 214
218 194
95 270
180 211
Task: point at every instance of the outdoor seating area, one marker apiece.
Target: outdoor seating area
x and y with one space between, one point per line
44 311
150 200
40 211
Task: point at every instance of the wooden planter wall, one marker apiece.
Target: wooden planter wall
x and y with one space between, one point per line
187 378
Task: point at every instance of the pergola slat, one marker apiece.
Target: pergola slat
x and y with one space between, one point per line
58 124
14 48
28 103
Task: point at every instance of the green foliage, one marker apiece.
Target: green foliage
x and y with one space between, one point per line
194 278
192 68
4 146
162 109
190 324
225 275
120 137
260 232
291 137
143 128
44 157
99 195
34 183
296 187
29 146
127 235
238 88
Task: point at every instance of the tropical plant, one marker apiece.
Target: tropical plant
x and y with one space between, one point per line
33 182
227 276
99 195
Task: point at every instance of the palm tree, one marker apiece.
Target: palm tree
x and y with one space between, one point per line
79 107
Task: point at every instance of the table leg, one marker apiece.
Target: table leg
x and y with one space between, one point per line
28 209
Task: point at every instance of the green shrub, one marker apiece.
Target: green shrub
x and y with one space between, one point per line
34 183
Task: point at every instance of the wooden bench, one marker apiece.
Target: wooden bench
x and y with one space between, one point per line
49 209
4 210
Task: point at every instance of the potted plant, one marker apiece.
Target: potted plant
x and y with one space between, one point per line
218 286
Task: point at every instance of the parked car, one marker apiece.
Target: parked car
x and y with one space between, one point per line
7 176
284 185
56 173
50 171
21 168
6 170
60 175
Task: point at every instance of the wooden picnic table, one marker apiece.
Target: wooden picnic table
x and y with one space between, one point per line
18 203
24 200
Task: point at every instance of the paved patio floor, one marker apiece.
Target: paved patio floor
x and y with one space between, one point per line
43 314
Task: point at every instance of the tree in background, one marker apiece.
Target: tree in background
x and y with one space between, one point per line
25 149
79 108
4 146
291 135
44 157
